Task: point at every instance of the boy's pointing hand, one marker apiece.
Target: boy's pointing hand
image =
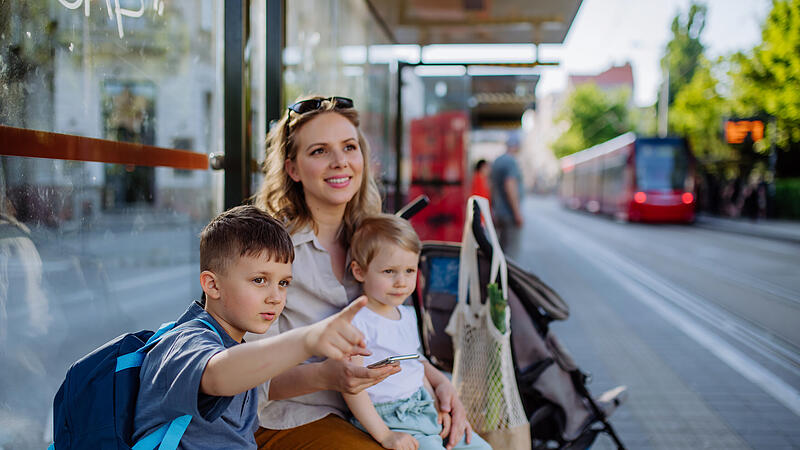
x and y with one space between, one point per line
335 337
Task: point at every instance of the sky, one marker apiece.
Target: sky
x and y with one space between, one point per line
612 32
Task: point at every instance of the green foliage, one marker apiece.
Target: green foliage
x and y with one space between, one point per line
697 114
595 116
644 121
787 197
685 50
769 79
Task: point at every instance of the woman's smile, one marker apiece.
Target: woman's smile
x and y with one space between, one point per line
339 182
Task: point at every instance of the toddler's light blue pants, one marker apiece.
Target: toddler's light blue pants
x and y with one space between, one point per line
417 416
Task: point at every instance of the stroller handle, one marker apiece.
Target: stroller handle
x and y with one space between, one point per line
411 209
419 203
479 232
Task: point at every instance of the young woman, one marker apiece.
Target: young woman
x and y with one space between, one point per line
317 181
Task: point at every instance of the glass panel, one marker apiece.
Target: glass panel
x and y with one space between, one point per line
90 250
326 52
661 166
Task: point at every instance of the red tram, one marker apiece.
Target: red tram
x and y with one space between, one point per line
632 178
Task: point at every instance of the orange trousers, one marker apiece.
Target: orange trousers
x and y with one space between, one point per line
331 432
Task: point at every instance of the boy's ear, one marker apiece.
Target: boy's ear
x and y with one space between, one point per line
358 274
208 281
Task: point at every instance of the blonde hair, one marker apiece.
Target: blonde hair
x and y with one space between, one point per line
283 197
375 232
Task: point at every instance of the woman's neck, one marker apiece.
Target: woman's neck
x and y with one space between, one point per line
328 223
328 228
327 220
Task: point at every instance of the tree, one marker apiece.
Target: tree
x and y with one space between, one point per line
697 114
684 51
769 80
595 116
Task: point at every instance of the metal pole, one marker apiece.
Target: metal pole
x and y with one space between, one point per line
773 159
663 106
237 167
275 39
398 139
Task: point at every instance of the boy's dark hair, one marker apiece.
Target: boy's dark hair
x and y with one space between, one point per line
243 230
479 165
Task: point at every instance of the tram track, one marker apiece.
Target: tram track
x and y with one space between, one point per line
675 249
738 277
701 319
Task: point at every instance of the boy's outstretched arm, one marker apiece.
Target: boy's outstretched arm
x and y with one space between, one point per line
329 375
242 367
363 409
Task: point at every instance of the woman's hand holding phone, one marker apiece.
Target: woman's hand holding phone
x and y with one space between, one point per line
392 360
349 378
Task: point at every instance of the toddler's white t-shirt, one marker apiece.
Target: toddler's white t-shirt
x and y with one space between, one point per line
387 337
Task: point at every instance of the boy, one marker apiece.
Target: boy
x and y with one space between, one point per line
399 412
246 262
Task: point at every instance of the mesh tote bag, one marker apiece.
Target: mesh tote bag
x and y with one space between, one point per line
483 370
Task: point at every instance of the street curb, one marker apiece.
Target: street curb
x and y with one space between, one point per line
747 230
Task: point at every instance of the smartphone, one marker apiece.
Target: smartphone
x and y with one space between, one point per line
391 360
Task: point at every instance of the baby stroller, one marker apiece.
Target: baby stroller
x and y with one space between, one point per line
561 411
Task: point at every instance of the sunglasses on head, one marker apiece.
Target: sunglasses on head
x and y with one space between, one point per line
313 104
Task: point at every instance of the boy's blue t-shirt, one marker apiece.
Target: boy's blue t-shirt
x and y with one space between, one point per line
170 387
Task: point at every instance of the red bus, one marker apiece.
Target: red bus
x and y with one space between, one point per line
632 178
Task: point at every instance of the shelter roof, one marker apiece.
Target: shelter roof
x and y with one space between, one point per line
425 22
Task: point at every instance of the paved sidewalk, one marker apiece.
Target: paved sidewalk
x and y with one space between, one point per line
783 230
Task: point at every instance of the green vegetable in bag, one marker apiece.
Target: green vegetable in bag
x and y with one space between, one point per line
497 306
494 391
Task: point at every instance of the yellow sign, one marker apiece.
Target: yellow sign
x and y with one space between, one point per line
736 130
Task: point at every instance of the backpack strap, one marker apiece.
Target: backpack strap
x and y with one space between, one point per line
175 432
209 326
169 328
135 359
161 330
168 435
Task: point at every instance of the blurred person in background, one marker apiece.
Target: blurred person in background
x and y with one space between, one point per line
480 179
506 189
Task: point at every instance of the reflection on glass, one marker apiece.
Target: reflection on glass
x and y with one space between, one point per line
326 53
90 250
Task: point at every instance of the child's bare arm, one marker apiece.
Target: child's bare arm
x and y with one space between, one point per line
443 417
430 390
363 409
242 367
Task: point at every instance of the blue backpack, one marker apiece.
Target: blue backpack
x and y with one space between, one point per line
95 406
